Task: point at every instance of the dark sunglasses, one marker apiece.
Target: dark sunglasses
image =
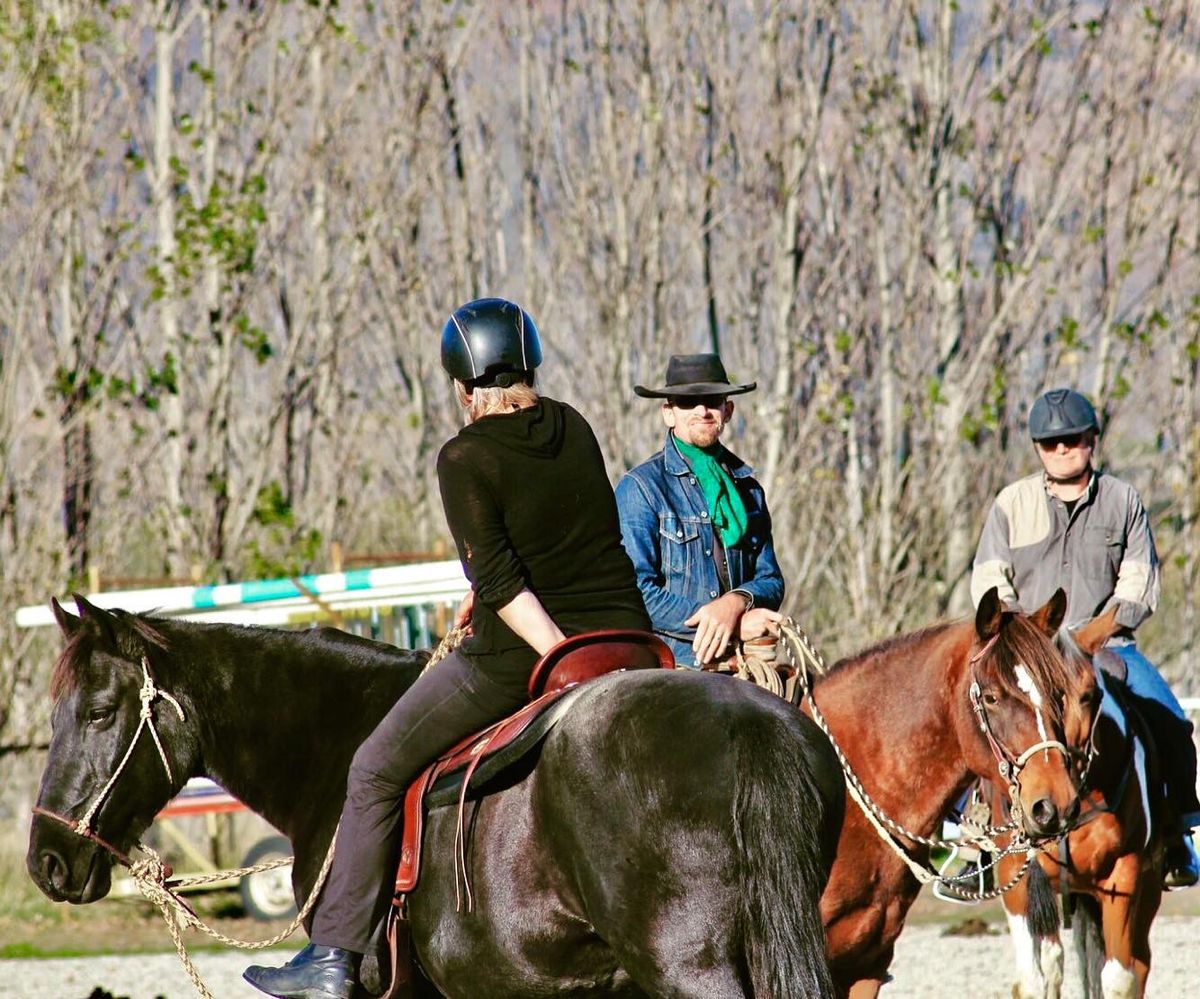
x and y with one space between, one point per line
1068 441
692 401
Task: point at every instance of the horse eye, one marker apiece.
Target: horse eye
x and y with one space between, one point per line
100 714
990 699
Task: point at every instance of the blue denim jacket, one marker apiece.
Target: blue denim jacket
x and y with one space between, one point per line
666 531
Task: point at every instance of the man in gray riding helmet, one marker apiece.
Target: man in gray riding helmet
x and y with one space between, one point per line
1076 527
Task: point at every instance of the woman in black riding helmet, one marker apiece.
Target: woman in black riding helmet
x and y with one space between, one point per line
531 509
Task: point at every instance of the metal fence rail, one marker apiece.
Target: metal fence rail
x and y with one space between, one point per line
297 600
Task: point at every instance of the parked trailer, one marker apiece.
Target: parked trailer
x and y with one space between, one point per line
200 827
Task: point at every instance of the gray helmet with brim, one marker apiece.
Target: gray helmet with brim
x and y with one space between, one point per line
1059 413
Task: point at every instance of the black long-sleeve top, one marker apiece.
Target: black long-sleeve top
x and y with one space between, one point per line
530 505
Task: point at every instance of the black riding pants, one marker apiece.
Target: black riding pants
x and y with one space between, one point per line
445 705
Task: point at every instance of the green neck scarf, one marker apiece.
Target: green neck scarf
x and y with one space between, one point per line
724 502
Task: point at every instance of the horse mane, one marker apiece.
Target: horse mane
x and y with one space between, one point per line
90 635
1020 643
1065 640
887 646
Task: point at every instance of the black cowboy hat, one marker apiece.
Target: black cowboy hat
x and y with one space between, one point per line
694 374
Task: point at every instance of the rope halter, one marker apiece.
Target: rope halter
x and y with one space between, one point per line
149 693
151 873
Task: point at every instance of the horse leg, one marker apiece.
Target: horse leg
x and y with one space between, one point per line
1039 969
1053 960
1016 903
1119 979
1146 900
690 951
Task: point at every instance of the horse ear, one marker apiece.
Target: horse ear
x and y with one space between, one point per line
67 622
96 617
990 615
1090 637
1049 618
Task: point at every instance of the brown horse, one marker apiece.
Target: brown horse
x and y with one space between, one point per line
919 718
1111 862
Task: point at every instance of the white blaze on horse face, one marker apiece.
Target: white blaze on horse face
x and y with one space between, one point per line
1025 682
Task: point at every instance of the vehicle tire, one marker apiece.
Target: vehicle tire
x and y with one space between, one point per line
267 895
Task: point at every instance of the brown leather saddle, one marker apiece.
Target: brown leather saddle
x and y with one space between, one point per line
553 686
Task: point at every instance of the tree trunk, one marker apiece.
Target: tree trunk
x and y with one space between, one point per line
220 351
174 431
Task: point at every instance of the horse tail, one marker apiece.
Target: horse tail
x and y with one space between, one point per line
1089 945
1042 907
785 837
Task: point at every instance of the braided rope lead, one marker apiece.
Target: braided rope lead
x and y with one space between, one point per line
453 639
805 659
150 877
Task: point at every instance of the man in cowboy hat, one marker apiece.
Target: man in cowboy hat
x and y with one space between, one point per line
695 522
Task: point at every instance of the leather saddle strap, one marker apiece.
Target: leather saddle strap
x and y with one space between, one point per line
721 560
399 937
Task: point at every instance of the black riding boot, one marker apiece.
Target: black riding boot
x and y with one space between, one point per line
315 973
1181 869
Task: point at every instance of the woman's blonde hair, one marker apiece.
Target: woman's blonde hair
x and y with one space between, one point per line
480 402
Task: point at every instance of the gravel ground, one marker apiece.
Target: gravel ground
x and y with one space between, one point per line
928 965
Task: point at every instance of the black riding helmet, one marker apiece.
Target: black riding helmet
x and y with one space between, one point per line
1059 413
490 341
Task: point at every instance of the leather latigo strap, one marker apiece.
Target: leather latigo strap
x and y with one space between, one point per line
721 560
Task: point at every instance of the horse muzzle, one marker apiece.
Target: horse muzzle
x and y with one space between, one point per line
78 875
1045 819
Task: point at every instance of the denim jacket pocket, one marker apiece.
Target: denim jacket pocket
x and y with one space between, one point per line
679 537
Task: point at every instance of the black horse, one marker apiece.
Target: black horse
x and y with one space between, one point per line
672 836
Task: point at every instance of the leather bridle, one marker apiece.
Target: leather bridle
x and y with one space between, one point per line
1008 763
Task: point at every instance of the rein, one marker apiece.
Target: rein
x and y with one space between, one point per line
805 659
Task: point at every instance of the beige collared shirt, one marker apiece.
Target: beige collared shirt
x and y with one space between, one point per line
1100 553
